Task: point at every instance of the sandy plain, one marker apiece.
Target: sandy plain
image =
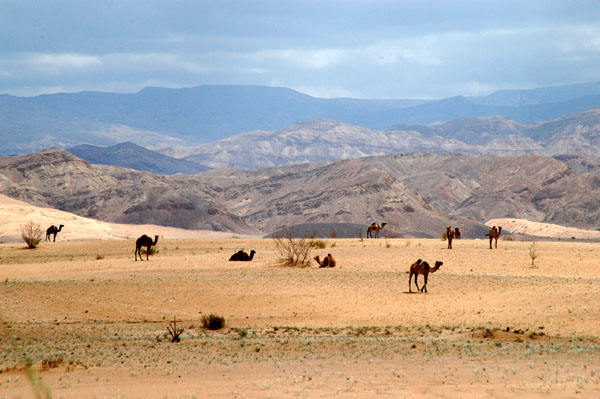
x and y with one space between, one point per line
93 321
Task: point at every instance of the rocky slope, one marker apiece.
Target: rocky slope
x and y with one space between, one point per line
326 140
417 194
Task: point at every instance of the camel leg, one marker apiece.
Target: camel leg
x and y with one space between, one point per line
147 252
417 275
424 288
496 243
490 242
409 281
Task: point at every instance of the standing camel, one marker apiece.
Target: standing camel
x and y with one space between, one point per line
450 233
53 230
328 261
494 234
420 267
374 227
457 233
242 256
144 241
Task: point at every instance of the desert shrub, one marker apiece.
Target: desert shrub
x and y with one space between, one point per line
533 254
319 244
174 331
444 236
213 322
52 362
31 234
99 257
333 234
294 251
508 238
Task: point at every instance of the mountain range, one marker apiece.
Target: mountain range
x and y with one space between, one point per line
159 117
317 140
417 194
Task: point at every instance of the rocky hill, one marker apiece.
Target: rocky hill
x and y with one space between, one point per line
319 140
129 155
417 194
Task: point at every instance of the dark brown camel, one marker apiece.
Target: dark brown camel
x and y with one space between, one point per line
374 227
53 230
450 233
457 233
144 241
494 234
420 267
328 261
242 256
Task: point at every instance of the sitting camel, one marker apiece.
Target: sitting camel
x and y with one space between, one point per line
144 241
328 261
374 227
494 234
450 233
53 230
242 256
420 267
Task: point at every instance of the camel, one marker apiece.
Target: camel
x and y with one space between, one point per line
420 267
450 233
53 230
144 241
242 256
328 261
494 234
374 227
457 233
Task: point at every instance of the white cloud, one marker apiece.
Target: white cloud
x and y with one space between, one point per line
311 59
64 61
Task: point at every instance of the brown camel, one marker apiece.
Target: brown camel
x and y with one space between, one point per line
242 256
328 261
53 230
494 234
420 267
457 233
450 233
374 227
144 241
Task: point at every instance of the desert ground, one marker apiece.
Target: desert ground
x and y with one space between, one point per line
83 319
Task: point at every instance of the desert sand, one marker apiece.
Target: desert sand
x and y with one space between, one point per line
93 321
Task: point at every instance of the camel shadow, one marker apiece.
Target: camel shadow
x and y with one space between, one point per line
413 292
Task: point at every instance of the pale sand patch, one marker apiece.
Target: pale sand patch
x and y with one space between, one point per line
14 214
538 229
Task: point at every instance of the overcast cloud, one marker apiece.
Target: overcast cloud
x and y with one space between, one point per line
363 49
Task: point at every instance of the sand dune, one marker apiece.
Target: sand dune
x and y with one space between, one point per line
537 229
15 213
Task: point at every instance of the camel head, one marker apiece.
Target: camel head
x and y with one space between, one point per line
383 225
438 263
499 230
155 240
60 227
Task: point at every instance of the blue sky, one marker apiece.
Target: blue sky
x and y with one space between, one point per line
362 49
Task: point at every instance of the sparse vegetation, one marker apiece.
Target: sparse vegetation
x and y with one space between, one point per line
213 322
32 234
320 244
174 331
533 254
294 251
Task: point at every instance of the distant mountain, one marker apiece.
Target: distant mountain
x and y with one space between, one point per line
417 194
159 117
318 140
129 155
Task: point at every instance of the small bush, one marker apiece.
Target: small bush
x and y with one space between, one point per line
53 362
31 234
295 251
319 244
213 322
508 238
99 257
